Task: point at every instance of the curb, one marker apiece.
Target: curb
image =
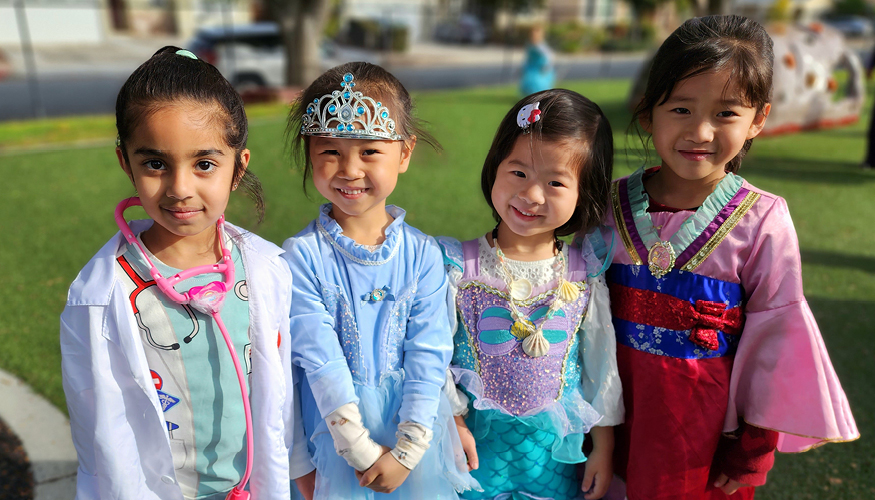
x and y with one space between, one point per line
45 433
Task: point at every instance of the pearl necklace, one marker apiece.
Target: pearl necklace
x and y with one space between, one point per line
519 289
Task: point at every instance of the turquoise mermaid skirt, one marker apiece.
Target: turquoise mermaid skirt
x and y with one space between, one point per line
516 460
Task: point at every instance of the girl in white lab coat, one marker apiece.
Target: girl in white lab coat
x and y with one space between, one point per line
155 403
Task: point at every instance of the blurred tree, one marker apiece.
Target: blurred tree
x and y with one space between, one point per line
852 7
780 11
301 23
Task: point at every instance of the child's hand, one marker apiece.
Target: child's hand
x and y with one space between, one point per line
729 486
598 473
469 446
307 484
599 465
385 475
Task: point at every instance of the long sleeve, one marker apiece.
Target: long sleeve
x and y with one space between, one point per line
78 382
299 458
315 346
782 377
600 377
428 345
749 458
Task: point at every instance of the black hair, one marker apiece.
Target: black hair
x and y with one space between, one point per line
710 44
574 120
168 78
372 81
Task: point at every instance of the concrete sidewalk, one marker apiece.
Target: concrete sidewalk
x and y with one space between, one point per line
45 434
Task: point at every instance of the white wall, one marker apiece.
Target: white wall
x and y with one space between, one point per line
79 24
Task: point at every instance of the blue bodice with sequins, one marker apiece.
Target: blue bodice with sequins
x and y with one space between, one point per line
359 315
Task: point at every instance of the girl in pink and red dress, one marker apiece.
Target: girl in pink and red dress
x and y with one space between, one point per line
720 357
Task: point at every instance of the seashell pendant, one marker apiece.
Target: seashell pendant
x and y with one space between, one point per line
520 289
522 329
536 345
568 291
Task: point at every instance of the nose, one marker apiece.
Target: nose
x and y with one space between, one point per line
179 184
350 169
700 131
532 193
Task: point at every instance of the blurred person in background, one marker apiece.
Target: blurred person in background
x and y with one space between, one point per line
539 72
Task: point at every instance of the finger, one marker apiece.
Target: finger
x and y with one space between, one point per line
367 477
730 487
590 492
473 459
588 479
721 481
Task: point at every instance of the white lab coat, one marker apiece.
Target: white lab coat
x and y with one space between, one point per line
118 427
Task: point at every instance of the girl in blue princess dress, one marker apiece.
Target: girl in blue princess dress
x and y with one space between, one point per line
372 339
534 348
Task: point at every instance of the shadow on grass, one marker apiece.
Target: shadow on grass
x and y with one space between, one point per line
836 259
813 171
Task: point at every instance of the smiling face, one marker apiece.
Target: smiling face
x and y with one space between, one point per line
357 175
702 126
182 169
536 187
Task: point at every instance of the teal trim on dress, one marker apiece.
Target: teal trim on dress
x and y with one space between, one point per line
694 226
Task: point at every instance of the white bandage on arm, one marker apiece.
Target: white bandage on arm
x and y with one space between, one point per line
413 441
352 441
458 399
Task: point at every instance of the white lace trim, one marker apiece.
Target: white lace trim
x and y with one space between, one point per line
538 272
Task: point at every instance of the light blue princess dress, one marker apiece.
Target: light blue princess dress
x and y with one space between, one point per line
529 413
370 326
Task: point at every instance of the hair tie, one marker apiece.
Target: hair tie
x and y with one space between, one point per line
186 53
528 115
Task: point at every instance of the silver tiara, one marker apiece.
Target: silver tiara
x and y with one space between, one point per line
337 114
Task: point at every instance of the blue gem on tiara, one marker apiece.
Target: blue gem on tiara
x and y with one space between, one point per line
345 113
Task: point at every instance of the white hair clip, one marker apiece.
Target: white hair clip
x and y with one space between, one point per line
528 115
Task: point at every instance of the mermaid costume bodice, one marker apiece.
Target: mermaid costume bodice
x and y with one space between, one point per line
528 414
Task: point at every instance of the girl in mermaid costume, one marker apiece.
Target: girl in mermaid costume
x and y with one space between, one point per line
534 357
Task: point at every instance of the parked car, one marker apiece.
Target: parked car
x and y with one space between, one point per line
249 55
466 29
851 26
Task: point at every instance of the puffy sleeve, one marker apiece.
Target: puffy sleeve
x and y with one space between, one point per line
782 377
451 249
315 346
600 378
428 345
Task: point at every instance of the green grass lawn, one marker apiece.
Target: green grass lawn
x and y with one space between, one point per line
56 212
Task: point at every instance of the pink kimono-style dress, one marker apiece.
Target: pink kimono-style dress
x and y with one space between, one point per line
722 342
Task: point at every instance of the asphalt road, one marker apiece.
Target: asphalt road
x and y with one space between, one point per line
83 94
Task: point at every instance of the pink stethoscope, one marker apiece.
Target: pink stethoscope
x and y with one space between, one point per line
207 299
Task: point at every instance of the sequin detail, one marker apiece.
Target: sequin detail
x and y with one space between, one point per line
397 329
338 308
516 381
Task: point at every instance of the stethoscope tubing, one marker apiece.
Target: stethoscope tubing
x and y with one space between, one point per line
166 285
